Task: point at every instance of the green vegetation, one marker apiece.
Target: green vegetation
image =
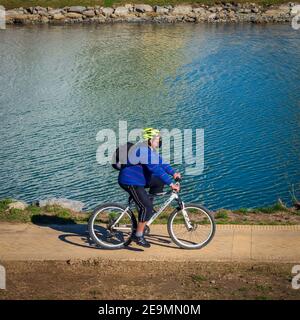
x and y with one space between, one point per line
46 215
198 278
242 210
276 214
263 288
4 204
272 209
10 4
261 298
222 214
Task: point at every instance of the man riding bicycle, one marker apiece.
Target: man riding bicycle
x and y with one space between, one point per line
150 171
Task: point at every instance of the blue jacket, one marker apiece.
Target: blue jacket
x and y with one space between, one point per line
142 163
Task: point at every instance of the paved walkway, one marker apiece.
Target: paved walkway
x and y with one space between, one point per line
231 243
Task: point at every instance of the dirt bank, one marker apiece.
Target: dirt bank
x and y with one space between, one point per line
96 279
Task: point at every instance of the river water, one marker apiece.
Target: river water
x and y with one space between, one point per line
60 85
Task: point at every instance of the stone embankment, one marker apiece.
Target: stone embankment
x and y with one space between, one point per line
227 12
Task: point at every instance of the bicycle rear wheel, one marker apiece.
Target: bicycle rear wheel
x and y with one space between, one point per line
104 230
202 227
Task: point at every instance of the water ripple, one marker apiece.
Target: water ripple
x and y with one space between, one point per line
61 85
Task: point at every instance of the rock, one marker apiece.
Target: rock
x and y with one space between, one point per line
255 10
21 205
34 18
212 9
169 19
233 8
77 9
58 16
63 202
30 10
219 9
129 6
133 18
98 19
54 11
295 10
189 18
43 13
12 13
222 15
44 20
228 5
199 10
40 9
244 10
161 10
99 12
285 7
107 11
169 7
73 15
143 8
21 10
21 18
212 16
121 11
231 14
182 9
275 12
89 13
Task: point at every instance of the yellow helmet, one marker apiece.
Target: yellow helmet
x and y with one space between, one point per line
149 133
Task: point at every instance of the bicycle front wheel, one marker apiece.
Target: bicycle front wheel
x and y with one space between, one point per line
200 232
111 226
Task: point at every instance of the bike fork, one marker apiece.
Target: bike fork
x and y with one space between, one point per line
187 220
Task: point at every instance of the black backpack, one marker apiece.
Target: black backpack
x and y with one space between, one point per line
119 155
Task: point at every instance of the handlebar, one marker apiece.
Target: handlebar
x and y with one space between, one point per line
178 180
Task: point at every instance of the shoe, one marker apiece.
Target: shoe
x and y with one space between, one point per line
141 241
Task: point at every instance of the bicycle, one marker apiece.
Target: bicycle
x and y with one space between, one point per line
111 225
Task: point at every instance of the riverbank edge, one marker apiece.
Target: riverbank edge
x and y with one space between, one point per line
55 213
129 13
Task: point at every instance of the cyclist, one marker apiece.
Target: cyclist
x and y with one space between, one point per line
146 168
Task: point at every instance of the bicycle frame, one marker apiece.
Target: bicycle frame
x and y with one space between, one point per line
163 207
174 196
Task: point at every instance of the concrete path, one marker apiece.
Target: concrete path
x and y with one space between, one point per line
231 243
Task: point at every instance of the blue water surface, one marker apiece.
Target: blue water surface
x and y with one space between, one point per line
61 85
